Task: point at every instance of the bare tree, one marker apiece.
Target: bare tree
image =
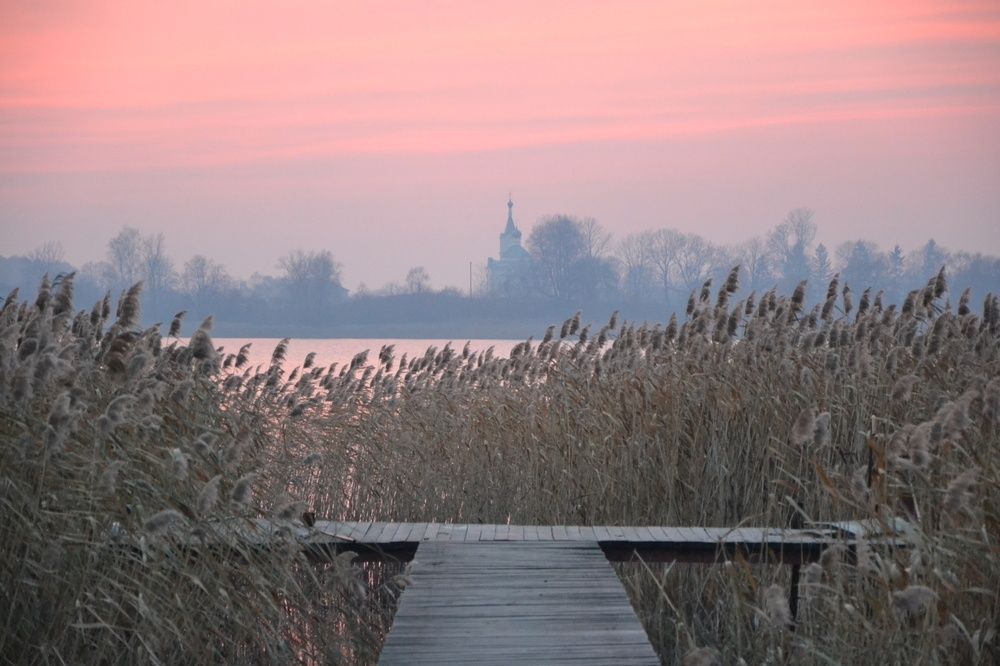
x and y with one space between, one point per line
596 239
788 245
696 260
664 245
310 267
755 265
204 279
555 243
157 268
635 253
100 273
125 258
51 252
312 279
417 280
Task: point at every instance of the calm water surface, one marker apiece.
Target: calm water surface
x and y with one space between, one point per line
342 350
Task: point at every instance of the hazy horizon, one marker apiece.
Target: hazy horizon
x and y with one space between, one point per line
391 135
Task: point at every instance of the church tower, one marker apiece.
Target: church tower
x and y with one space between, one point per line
510 239
508 275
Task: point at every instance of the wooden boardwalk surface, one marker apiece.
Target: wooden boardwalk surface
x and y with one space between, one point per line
536 594
620 544
536 601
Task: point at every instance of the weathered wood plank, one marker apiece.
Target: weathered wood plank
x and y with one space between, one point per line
514 602
416 533
358 530
698 535
373 529
620 543
401 532
643 534
472 534
658 533
388 530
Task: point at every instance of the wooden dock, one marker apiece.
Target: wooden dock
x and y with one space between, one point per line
619 544
515 602
538 594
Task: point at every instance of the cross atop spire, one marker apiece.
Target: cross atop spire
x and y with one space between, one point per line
510 215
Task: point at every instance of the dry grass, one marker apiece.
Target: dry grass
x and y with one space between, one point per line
757 413
116 452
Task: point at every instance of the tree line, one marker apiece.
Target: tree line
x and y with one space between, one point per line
576 258
575 264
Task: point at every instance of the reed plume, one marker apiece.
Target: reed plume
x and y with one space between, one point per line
208 496
128 307
175 324
242 489
162 521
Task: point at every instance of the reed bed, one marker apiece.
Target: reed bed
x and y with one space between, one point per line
756 412
121 458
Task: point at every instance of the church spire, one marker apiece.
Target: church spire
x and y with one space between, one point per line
510 215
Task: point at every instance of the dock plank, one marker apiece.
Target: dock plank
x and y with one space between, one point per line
458 532
620 543
416 532
525 602
373 529
401 532
389 536
359 530
431 532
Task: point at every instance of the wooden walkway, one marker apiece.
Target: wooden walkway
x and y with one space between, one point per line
524 602
538 594
620 544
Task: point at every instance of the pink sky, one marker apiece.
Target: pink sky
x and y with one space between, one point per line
392 134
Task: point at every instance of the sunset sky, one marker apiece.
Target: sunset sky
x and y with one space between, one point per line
391 132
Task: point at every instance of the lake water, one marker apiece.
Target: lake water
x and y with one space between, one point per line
342 350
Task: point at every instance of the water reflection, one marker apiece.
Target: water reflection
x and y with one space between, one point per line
342 350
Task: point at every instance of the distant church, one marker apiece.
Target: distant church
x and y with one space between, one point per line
508 275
